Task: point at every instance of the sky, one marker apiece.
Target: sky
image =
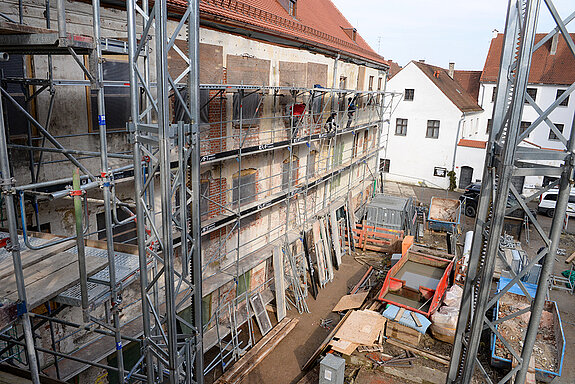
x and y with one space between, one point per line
438 32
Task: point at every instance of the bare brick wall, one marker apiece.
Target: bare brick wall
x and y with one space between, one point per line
247 70
217 194
213 136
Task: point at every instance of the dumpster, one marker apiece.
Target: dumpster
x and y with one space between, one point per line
417 282
392 212
444 215
549 348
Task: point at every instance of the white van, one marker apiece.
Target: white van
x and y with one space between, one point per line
548 200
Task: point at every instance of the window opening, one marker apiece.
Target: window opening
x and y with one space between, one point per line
432 129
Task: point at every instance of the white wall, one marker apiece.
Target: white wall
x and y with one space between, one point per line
413 157
470 157
546 95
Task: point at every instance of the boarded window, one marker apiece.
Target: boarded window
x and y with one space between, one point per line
116 99
125 233
244 186
316 74
317 105
286 182
248 108
15 120
247 70
180 112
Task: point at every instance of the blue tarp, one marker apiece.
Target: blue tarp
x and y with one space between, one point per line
406 319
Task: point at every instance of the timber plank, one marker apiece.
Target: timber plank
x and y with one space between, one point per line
51 286
31 257
437 358
335 237
40 270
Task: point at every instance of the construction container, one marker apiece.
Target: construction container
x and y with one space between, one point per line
556 345
417 282
392 212
331 370
444 215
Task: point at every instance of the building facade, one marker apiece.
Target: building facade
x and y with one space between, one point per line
426 124
291 110
551 74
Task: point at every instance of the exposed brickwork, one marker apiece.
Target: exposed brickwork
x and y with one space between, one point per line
214 134
217 197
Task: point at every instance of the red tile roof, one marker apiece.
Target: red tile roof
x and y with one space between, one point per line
451 88
318 23
545 68
394 68
469 80
472 143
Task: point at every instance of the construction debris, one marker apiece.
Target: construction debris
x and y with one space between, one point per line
350 302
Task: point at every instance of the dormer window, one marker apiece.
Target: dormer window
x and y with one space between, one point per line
289 6
350 32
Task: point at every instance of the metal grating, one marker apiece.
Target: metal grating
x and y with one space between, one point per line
127 266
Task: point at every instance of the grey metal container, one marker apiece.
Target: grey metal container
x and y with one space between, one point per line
392 212
331 370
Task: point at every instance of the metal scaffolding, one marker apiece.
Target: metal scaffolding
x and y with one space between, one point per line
170 150
506 158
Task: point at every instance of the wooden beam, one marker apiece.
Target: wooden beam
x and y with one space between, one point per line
431 356
254 356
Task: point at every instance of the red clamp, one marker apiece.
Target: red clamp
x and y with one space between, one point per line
146 158
76 192
103 175
4 242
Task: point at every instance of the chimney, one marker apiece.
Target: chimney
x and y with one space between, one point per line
451 70
421 60
554 42
495 32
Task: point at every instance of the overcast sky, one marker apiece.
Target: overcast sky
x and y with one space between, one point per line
439 32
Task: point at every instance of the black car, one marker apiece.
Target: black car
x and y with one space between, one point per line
470 199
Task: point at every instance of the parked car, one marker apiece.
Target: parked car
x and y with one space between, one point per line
470 199
548 200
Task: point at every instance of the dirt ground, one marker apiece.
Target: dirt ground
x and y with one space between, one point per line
283 365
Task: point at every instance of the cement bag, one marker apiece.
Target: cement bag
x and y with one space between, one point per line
444 324
453 296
